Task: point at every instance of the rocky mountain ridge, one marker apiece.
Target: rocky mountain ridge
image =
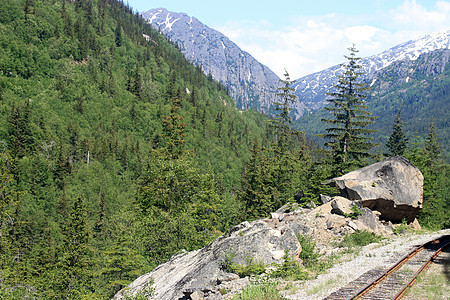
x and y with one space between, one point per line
254 85
312 88
250 83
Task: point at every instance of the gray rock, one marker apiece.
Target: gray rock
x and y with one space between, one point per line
200 270
394 187
249 82
341 206
371 220
325 198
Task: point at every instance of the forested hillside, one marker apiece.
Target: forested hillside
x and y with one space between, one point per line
116 152
86 92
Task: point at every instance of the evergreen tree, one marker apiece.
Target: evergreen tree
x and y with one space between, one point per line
257 187
137 83
348 136
75 258
397 142
286 157
173 131
432 148
283 120
119 36
8 204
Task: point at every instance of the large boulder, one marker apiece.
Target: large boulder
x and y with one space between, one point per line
200 272
394 187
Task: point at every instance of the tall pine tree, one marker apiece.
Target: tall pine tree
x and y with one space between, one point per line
347 135
397 142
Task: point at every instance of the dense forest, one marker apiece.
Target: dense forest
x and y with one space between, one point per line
116 152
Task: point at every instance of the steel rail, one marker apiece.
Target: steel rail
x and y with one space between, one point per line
424 266
361 292
395 267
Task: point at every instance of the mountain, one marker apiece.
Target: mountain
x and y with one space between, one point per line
312 89
250 83
254 85
420 87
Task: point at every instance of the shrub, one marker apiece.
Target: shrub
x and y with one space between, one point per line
401 228
290 269
355 212
265 291
359 239
250 268
309 255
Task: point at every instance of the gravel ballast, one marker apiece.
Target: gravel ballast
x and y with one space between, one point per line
377 255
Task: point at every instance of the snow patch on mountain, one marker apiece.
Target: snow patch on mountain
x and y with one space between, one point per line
254 85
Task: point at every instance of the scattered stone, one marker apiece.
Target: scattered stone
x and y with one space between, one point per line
414 225
394 187
341 206
325 199
287 208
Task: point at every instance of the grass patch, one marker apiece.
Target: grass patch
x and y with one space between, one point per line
324 285
359 239
265 291
432 284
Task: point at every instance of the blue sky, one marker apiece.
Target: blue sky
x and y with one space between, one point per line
306 36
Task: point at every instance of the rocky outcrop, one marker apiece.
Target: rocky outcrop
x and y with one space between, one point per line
393 187
200 272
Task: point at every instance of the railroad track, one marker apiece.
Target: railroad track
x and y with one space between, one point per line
382 284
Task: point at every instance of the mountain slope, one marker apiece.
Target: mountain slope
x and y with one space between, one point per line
87 109
312 89
420 87
250 83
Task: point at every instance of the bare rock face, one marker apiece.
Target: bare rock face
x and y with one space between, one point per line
199 272
394 187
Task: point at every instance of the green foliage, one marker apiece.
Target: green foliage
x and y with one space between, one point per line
397 142
309 254
401 228
436 203
274 174
228 261
251 267
84 116
355 212
264 291
359 239
347 134
290 269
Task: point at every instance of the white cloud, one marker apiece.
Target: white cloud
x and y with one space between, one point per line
313 43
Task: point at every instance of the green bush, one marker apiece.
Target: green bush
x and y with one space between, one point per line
266 291
355 212
401 227
309 255
250 268
359 239
290 269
